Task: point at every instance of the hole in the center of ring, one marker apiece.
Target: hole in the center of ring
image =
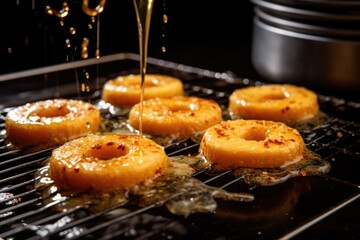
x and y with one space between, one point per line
52 111
275 96
107 151
255 135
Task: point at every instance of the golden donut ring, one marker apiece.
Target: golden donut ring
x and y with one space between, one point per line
179 116
106 162
124 91
276 102
51 122
251 143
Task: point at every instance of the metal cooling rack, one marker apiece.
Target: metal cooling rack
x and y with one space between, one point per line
298 205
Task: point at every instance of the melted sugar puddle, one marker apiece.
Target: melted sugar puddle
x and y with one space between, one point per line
310 164
181 193
176 189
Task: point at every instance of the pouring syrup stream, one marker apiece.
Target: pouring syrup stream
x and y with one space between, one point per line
143 10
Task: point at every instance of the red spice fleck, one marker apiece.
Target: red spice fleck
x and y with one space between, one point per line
274 141
76 170
96 146
110 143
287 108
220 132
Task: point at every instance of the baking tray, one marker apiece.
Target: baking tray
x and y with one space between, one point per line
310 207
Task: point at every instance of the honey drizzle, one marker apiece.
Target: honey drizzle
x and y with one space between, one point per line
143 10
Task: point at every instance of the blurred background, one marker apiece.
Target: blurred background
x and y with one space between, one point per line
209 34
213 35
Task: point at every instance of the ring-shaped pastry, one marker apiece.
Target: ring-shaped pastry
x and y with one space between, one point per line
51 122
124 91
276 102
251 143
180 116
106 162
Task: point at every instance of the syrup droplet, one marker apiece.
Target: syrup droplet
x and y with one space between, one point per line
84 48
49 10
72 31
165 21
83 87
68 43
60 14
97 53
92 12
165 18
87 75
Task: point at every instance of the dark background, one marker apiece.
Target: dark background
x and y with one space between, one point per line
214 35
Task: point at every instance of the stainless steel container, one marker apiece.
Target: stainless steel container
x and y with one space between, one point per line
285 50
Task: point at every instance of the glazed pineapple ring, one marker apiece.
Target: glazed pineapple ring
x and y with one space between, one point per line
106 162
178 116
276 102
124 91
51 122
251 143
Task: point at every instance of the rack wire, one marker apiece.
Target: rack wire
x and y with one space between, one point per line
23 214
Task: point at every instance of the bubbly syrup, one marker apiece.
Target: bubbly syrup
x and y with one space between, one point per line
310 164
176 189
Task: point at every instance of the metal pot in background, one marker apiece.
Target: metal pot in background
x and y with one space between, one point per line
314 46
